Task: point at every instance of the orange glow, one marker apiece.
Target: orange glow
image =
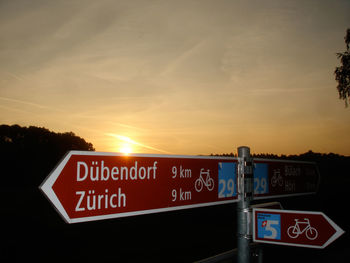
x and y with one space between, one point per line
126 149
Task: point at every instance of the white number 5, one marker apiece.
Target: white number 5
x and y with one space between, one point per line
270 228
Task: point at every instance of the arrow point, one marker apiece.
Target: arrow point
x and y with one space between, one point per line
338 231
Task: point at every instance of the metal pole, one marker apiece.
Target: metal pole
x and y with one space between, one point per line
260 254
245 195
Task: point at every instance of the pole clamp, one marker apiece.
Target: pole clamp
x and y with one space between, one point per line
245 177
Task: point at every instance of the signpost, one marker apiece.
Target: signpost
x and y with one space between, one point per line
87 186
294 228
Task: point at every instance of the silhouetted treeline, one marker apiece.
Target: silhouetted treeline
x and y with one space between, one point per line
325 161
308 156
28 154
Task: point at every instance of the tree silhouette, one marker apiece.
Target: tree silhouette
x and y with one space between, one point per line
342 73
28 154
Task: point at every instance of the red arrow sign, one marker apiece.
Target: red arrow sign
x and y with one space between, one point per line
294 228
89 186
92 185
276 178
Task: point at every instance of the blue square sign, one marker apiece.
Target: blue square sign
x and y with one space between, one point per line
269 226
261 182
227 180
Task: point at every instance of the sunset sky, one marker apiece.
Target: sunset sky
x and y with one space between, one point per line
177 77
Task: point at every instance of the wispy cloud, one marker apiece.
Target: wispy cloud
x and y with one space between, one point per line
31 104
14 76
13 109
181 58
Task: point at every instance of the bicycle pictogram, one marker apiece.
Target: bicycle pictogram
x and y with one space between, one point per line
301 227
276 178
208 182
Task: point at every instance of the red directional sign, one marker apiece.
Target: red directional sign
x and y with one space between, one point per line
277 178
269 205
89 186
294 228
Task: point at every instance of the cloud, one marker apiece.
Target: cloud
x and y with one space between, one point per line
28 103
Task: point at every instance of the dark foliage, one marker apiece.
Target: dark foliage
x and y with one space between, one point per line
28 154
342 73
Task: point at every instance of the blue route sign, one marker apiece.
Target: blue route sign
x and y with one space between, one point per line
269 226
261 180
227 179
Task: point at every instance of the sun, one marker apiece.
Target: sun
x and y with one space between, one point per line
125 145
125 149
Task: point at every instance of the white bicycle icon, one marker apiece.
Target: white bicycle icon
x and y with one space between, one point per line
301 227
200 182
276 178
